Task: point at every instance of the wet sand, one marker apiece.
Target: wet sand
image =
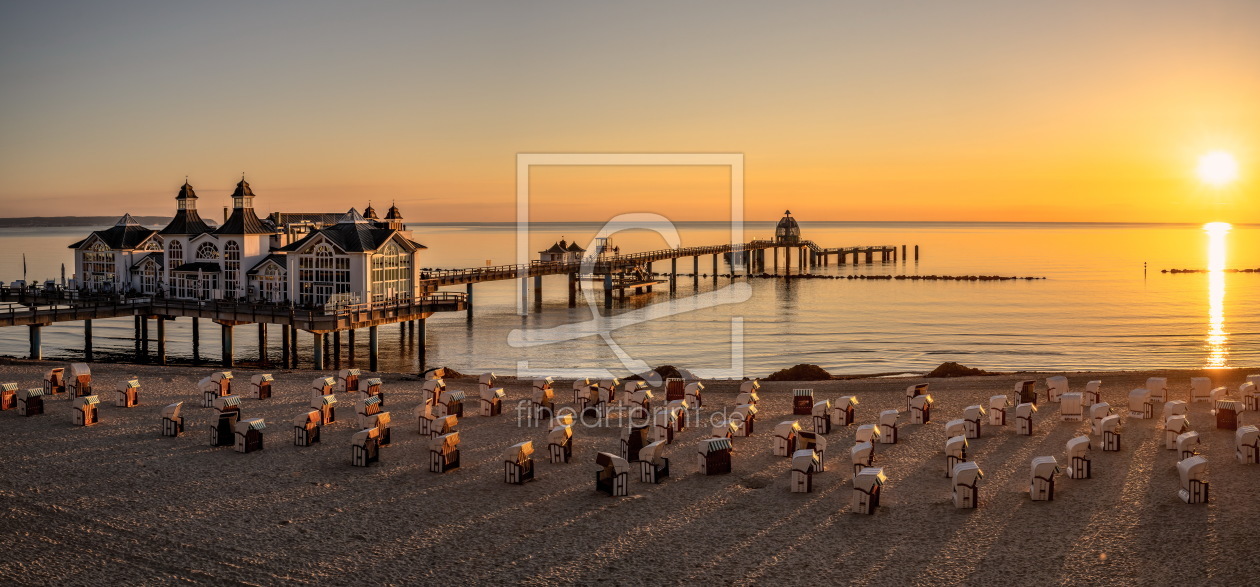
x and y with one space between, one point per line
117 502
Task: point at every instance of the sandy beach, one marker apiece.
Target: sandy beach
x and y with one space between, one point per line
117 502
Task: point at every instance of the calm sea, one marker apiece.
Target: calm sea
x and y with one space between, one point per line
1104 305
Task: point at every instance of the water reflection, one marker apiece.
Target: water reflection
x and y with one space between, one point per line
1217 338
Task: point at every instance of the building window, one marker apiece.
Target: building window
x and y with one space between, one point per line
175 255
100 272
322 275
270 284
149 277
207 252
391 273
231 269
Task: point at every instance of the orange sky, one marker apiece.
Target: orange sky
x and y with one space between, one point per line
1019 111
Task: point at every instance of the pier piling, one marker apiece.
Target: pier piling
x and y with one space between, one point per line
87 340
420 343
336 352
318 346
196 341
350 347
37 342
262 342
161 340
470 300
284 345
228 358
373 348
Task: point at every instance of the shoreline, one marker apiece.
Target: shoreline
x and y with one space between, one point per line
153 509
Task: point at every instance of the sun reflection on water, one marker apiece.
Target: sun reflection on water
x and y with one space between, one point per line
1217 338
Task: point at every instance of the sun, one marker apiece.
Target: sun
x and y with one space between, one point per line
1218 168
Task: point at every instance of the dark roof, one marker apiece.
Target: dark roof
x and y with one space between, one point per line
243 220
155 255
353 234
126 234
278 259
393 214
370 212
556 248
320 218
205 266
186 221
574 248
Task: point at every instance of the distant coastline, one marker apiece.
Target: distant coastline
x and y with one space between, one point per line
95 221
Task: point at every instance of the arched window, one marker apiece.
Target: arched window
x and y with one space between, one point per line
99 269
231 269
174 255
321 275
270 282
207 252
391 273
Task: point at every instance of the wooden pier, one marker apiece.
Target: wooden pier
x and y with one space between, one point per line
35 308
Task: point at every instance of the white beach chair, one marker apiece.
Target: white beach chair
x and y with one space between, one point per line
80 380
693 394
1097 412
1024 418
956 427
663 425
1250 394
816 443
749 386
804 464
714 456
260 385
1092 393
613 475
724 429
1200 389
128 394
1227 413
973 417
785 438
585 393
862 455
30 402
518 463
653 466
747 397
866 489
172 421
1055 388
921 409
85 410
1174 426
1193 475
1217 394
1072 407
348 380
381 422
1175 408
444 453
914 391
560 444
249 435
1110 426
542 403
215 385
888 426
1041 480
955 453
1078 458
802 401
1187 444
55 382
967 478
997 409
323 386
1247 445
675 389
432 390
491 401
1025 392
821 413
226 413
306 428
745 418
1158 386
633 438
868 433
1140 406
365 447
640 402
844 410
367 406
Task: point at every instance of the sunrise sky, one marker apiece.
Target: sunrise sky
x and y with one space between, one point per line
1002 110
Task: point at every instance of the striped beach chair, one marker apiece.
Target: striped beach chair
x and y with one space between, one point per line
249 435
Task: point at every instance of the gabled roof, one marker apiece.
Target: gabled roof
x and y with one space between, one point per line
574 248
355 237
186 221
126 234
370 212
274 258
156 257
243 220
393 213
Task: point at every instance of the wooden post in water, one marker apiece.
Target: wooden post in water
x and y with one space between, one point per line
537 299
573 284
37 342
673 275
87 340
262 343
350 347
336 354
144 337
903 253
469 289
161 340
284 345
695 271
420 343
373 348
228 358
318 355
608 289
916 253
293 339
196 341
715 267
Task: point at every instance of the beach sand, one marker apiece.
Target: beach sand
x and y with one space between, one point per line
117 502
